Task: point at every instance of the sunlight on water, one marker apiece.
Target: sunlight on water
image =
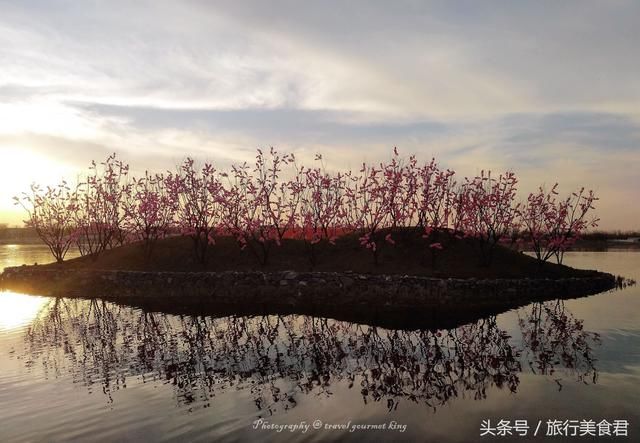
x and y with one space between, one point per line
19 309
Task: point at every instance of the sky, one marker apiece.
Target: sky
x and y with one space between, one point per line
548 89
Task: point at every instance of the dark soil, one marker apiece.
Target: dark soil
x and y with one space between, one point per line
460 258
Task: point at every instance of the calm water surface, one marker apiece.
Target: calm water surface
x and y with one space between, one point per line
78 370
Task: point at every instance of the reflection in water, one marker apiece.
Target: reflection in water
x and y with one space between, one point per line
554 338
278 358
624 282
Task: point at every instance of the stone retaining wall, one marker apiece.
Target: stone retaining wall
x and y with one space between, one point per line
291 288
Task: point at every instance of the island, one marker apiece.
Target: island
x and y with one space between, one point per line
398 239
408 283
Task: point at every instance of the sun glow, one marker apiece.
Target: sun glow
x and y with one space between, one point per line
43 117
19 309
21 167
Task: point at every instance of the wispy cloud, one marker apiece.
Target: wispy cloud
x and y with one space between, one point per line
545 88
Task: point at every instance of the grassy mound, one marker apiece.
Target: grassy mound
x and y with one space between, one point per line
411 255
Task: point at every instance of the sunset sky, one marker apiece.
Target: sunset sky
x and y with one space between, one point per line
548 89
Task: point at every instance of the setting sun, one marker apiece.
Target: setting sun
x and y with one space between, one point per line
18 169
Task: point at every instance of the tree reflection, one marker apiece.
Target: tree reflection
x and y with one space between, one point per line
553 338
277 358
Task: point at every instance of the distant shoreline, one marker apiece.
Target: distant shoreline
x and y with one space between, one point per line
9 242
19 236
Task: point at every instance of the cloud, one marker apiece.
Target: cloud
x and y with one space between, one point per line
415 60
545 88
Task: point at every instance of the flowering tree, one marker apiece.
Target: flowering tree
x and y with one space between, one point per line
552 225
381 197
435 205
321 207
368 206
491 210
575 210
149 210
98 206
425 190
274 199
400 187
198 199
49 213
261 208
280 198
540 222
240 206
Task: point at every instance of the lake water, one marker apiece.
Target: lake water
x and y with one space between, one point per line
79 370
